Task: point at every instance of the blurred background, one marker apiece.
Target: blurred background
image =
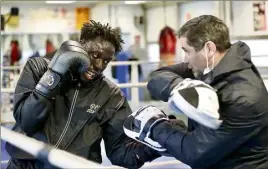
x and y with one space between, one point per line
37 28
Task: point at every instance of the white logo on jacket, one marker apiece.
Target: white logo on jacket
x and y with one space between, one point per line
50 80
93 108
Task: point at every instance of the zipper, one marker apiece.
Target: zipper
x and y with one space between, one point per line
69 117
117 108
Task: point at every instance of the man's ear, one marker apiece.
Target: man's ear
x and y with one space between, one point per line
212 49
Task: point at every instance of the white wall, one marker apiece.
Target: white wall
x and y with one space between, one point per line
42 19
196 9
242 24
37 18
44 22
155 20
175 18
121 16
242 17
191 10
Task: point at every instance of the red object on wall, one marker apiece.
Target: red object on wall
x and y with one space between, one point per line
49 47
167 43
15 53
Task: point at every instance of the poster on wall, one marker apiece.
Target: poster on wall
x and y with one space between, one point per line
259 15
82 16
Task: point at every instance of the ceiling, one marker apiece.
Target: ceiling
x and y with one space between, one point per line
41 2
84 2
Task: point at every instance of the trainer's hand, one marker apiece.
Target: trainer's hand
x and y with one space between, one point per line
139 125
70 55
198 101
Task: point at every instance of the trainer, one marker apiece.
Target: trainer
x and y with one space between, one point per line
241 141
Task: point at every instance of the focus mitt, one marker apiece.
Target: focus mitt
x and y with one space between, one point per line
139 124
198 101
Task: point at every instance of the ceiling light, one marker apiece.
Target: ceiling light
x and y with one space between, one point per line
59 2
134 2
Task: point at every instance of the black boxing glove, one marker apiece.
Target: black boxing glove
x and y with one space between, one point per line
70 56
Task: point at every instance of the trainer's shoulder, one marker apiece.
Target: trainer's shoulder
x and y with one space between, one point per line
243 90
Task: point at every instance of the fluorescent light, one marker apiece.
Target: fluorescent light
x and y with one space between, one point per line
59 2
134 2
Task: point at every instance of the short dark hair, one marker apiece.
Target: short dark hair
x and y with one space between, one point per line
205 28
92 30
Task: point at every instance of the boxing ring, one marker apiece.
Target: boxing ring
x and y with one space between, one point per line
64 159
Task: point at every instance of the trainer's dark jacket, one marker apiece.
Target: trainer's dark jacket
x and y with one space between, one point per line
242 140
77 120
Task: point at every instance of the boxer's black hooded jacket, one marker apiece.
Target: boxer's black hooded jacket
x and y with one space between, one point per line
77 119
242 140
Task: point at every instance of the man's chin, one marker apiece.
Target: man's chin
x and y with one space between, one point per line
86 78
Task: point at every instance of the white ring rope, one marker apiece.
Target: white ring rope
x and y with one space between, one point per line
59 158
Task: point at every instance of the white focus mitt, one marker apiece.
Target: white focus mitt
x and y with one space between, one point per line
198 101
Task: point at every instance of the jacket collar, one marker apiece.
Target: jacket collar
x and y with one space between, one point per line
73 82
238 57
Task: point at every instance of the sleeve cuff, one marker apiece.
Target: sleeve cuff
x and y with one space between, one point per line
169 87
163 131
145 154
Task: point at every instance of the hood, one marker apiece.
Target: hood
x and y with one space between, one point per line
238 57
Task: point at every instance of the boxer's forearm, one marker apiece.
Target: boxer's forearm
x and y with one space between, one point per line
32 112
30 108
130 154
120 149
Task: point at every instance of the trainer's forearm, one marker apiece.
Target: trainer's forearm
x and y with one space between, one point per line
163 80
161 84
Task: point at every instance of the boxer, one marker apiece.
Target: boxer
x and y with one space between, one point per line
67 102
